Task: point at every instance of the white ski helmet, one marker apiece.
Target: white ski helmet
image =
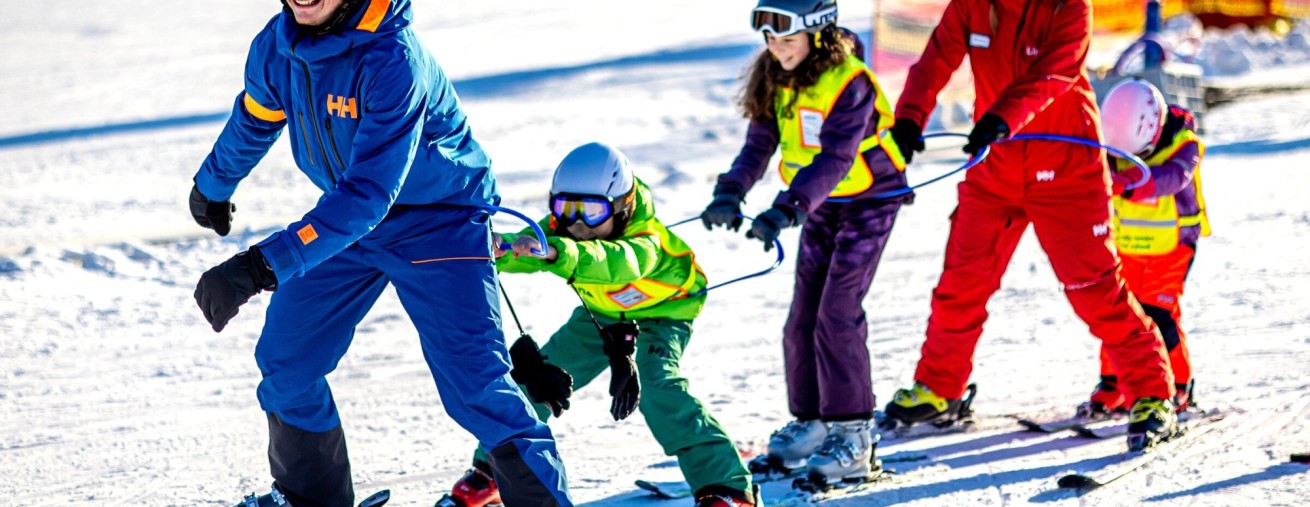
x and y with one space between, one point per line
1132 116
593 169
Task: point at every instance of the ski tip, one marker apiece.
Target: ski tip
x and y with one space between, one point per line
1077 481
377 499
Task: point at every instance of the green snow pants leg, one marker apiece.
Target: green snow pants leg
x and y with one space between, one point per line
679 422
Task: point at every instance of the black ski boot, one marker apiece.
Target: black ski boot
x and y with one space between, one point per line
1152 422
919 404
275 498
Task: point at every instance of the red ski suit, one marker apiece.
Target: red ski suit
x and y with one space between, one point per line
1027 58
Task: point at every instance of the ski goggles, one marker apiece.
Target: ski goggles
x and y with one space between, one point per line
782 23
592 210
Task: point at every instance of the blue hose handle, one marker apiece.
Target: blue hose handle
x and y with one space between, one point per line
536 229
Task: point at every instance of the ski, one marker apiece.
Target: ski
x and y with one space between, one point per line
275 498
1102 431
811 490
1301 457
765 468
1071 423
1134 461
1119 429
670 490
377 499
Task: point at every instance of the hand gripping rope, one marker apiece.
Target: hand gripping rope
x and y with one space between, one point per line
541 238
536 229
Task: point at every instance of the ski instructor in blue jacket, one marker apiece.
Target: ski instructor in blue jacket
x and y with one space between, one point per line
376 125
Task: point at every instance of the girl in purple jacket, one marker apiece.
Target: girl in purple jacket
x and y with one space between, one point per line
809 96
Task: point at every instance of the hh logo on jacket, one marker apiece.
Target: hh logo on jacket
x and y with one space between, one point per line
342 106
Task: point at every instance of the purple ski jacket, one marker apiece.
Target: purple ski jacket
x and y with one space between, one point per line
1176 176
853 118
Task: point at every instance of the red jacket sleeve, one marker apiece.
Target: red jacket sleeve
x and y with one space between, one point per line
927 77
1058 66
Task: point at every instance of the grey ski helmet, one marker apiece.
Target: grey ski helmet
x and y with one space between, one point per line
593 169
593 183
786 17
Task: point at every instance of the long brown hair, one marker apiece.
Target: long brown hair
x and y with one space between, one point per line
766 75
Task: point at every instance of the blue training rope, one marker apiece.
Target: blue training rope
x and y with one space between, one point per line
969 164
776 262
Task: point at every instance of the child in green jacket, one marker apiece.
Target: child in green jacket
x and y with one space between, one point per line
640 286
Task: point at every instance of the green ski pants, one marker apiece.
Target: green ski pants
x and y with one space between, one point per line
679 421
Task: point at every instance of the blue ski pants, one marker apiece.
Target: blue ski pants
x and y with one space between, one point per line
439 259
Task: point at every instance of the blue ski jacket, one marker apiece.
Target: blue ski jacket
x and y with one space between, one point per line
374 122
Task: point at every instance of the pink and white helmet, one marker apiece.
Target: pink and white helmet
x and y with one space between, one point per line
1132 116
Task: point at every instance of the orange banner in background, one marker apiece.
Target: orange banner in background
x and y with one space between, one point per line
1120 15
1125 15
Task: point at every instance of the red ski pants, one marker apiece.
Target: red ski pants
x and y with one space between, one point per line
1157 281
1073 228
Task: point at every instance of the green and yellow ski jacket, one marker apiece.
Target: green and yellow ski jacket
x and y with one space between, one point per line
646 273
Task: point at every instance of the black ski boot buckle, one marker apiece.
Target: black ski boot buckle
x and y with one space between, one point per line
962 413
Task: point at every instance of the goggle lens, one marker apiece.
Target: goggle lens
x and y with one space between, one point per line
592 211
776 22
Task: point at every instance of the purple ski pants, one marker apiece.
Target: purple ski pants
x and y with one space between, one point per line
824 340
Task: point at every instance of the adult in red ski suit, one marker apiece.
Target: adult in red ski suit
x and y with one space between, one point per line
1027 58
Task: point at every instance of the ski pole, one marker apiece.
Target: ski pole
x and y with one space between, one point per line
536 229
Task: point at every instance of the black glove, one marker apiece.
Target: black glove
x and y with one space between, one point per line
227 286
544 382
725 209
216 215
620 342
908 136
767 226
989 129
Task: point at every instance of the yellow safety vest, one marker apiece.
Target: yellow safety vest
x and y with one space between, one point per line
1150 227
799 130
676 277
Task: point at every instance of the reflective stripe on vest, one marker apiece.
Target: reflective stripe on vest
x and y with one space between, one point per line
1151 227
613 299
799 130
